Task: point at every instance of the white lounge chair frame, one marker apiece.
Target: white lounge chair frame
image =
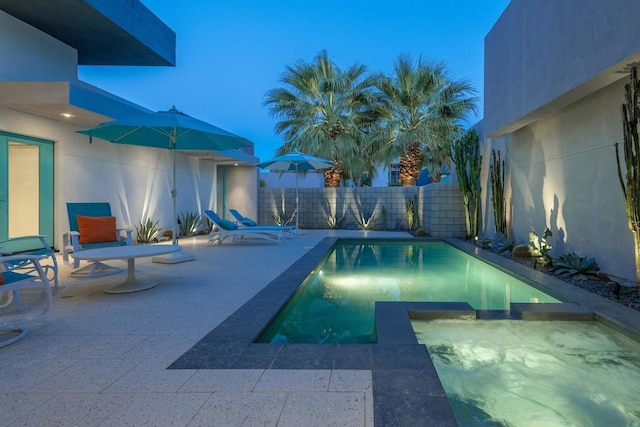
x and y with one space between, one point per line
31 245
221 233
289 229
16 282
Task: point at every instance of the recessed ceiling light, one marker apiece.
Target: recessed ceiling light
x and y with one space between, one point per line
67 115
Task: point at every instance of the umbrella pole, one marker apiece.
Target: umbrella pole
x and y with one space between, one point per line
174 257
297 202
174 194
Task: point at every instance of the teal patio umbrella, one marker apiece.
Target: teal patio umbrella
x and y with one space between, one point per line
296 162
172 130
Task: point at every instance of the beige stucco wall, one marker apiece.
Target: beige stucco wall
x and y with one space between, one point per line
562 174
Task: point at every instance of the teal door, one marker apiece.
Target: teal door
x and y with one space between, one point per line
26 186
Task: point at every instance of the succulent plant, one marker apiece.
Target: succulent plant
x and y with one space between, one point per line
147 231
572 265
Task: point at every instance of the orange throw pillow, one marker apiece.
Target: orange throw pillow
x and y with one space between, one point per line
1 279
96 229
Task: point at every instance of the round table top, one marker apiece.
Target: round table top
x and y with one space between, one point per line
125 252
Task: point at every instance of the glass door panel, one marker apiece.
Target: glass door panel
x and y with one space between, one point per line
24 189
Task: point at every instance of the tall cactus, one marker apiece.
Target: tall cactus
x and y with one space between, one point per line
630 184
496 174
466 156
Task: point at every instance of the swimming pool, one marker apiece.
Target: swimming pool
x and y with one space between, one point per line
335 304
515 372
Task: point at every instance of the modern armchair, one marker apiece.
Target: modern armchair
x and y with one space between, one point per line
92 226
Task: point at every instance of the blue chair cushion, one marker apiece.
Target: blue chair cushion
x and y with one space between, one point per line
248 221
227 225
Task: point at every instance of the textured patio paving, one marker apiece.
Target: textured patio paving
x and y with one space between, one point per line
100 360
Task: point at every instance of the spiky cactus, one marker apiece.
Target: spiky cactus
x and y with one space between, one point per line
496 173
466 156
630 183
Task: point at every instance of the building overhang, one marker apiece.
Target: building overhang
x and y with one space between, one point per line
115 32
82 105
75 103
234 157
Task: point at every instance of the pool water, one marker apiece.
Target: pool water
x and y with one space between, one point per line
336 302
515 373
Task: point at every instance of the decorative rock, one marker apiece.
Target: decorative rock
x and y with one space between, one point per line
521 251
421 232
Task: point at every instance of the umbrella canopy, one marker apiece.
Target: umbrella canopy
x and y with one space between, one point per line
166 129
172 130
295 162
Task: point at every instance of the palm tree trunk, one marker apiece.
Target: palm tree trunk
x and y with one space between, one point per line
410 164
332 176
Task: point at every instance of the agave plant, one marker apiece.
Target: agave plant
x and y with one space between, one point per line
502 243
281 219
572 265
147 231
188 224
334 222
365 221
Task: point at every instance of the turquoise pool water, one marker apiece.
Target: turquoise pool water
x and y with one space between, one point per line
528 373
336 302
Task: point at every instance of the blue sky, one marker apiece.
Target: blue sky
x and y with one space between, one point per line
230 53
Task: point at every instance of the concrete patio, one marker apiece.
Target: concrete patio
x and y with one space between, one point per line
100 359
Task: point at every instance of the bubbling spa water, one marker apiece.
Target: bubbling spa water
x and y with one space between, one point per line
533 373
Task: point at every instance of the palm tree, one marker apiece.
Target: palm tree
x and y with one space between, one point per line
425 109
325 111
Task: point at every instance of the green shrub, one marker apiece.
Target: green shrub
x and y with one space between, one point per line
540 247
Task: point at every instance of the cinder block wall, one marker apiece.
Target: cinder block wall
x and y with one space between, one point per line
443 210
440 207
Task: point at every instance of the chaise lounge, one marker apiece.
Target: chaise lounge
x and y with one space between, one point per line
226 229
289 230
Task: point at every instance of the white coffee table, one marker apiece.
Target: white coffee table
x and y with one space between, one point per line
130 253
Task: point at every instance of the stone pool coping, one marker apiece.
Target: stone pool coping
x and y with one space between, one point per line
406 387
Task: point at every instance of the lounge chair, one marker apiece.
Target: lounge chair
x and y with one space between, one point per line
92 226
30 245
289 230
15 308
226 229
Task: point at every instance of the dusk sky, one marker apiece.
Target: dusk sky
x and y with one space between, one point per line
230 53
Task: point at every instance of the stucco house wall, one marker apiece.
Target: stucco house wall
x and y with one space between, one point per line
554 84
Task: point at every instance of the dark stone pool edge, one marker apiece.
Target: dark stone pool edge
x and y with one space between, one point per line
406 388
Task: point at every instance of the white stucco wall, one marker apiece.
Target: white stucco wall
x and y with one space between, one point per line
241 192
136 181
562 174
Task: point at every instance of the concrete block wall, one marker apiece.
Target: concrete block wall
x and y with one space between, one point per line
440 207
443 210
